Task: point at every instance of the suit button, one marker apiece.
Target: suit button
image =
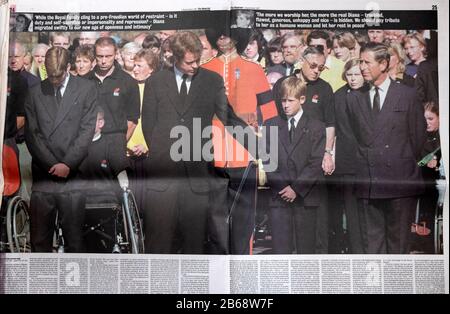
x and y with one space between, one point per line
182 120
387 146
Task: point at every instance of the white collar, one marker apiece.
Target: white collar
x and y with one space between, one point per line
296 117
328 61
97 136
383 87
179 74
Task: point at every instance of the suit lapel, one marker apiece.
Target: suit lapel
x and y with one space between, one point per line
384 118
172 91
284 134
365 105
68 101
300 130
194 91
48 100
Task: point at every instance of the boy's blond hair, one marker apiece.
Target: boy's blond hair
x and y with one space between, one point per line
294 87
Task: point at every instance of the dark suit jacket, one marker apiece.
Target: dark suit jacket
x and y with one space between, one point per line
300 162
427 81
162 111
345 138
61 133
389 146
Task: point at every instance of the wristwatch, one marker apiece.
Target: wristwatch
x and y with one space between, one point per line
329 151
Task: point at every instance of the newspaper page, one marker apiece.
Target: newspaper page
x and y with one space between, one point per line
295 151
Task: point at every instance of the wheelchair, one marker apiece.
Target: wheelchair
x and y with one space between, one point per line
14 216
113 224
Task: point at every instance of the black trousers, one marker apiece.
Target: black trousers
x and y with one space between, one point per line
342 200
137 180
218 224
322 222
291 221
388 224
243 215
70 207
175 219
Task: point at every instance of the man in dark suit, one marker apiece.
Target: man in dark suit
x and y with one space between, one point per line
389 126
296 192
180 177
60 122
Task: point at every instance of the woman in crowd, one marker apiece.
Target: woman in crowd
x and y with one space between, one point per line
145 64
397 65
430 172
274 54
255 49
84 59
345 46
166 54
416 50
38 66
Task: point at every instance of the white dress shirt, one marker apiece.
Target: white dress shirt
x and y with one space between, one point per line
179 78
382 90
63 85
296 118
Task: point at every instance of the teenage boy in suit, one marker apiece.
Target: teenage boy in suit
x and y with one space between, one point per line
297 182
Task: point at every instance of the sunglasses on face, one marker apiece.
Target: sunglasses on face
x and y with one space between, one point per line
314 66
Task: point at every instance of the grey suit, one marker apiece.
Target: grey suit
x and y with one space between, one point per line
388 179
58 134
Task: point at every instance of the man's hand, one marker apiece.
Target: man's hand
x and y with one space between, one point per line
328 164
60 170
432 163
288 194
139 150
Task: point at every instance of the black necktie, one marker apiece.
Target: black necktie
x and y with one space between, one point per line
376 103
292 129
183 90
58 95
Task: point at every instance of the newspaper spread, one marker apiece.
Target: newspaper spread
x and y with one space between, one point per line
228 167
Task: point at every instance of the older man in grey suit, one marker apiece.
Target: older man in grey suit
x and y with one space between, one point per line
60 123
389 127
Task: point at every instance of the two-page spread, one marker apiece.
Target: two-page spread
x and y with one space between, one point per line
224 147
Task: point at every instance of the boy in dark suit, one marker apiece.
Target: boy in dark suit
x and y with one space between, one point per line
296 183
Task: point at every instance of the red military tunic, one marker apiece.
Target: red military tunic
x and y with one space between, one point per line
247 89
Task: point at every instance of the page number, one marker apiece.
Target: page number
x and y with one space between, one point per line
434 7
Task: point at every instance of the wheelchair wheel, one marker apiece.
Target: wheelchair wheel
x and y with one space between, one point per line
133 227
18 226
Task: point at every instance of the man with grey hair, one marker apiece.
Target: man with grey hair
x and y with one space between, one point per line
88 38
17 54
390 129
292 47
128 52
179 192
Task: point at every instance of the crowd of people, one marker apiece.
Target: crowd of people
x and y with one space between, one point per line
355 113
